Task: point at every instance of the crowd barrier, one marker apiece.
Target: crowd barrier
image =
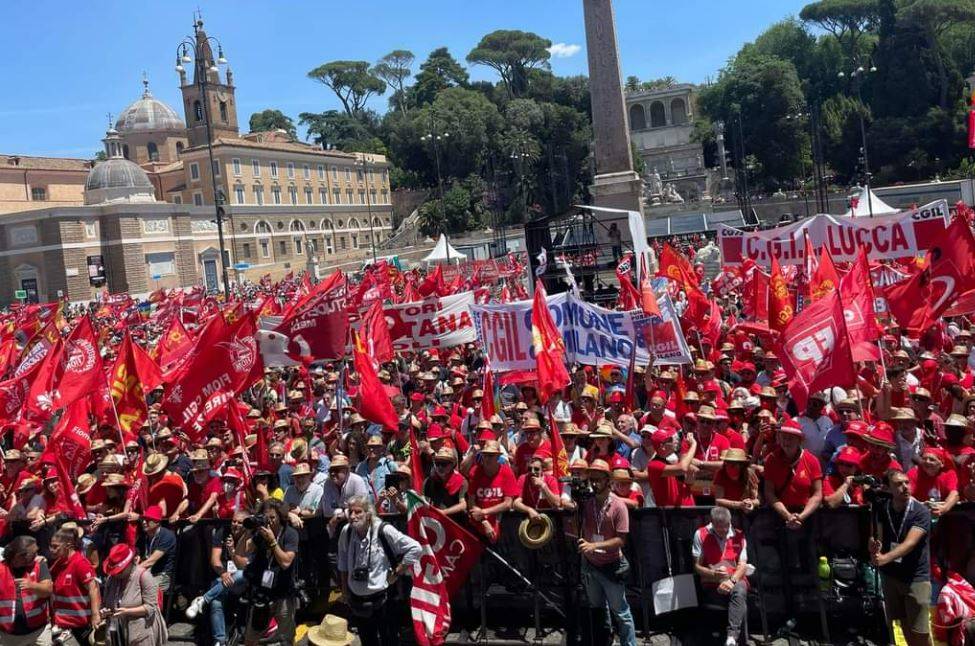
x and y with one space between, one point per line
518 587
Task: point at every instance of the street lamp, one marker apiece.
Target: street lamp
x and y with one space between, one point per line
799 115
434 138
856 77
520 157
203 68
372 235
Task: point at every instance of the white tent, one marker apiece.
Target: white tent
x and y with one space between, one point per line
864 202
443 252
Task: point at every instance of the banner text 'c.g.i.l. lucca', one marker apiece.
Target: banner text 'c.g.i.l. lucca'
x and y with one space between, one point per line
593 335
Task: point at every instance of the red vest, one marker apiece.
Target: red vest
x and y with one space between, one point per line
70 602
712 556
35 609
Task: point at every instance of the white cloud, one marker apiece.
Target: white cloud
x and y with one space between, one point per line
564 50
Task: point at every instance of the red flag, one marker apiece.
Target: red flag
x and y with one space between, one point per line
70 440
560 458
237 425
374 403
376 332
675 266
175 346
971 129
815 350
448 553
549 347
70 371
856 294
648 300
133 374
629 395
756 292
629 296
67 497
825 279
416 464
780 310
488 409
433 283
318 328
222 364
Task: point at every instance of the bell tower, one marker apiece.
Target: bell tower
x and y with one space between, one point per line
207 96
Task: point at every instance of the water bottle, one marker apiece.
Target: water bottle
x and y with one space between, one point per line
823 571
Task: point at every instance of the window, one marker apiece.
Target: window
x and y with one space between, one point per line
638 117
177 199
236 164
372 195
283 247
314 245
358 174
342 243
385 175
293 194
263 232
336 196
38 194
274 168
198 199
362 196
308 195
335 172
348 174
91 230
259 195
291 170
179 148
355 241
298 237
276 194
323 196
194 171
321 171
385 196
223 111
198 110
328 245
348 196
216 168
239 194
161 264
246 252
658 119
256 167
306 172
152 151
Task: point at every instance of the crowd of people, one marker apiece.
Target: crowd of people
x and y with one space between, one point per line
723 432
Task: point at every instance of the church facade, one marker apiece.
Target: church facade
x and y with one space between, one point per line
149 215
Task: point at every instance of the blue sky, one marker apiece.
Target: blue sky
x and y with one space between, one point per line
69 65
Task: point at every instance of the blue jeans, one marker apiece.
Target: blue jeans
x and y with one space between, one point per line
215 597
603 592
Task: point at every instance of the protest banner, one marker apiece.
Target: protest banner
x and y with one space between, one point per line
593 335
900 235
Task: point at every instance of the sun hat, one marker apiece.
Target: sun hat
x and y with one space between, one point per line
535 533
119 558
848 455
791 427
491 447
600 466
333 631
734 455
155 463
881 434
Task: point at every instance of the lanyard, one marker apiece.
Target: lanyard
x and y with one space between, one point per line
907 512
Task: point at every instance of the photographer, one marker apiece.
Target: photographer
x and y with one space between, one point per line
903 557
271 546
367 549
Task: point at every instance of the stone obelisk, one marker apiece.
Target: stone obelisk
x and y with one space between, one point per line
616 184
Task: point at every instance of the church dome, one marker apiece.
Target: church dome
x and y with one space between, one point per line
117 179
148 114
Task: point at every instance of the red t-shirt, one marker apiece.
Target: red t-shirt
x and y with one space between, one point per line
199 494
924 487
877 468
735 439
833 482
525 452
668 491
532 495
488 491
793 492
712 452
733 488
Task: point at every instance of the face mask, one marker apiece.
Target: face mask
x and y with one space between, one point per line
229 487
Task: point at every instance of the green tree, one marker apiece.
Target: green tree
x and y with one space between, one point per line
934 18
394 68
336 130
632 84
661 83
270 120
439 72
351 81
511 53
462 209
847 20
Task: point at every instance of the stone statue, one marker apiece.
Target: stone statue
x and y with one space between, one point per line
656 185
671 195
710 256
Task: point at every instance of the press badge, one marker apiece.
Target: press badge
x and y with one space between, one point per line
231 566
267 579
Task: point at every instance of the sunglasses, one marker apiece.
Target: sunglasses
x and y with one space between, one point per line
276 455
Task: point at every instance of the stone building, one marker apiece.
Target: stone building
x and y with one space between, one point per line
661 123
41 182
147 214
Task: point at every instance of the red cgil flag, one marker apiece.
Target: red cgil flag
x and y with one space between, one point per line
416 464
318 326
675 266
133 375
237 425
71 370
560 458
814 349
825 279
780 310
379 345
488 409
549 347
175 346
856 293
374 403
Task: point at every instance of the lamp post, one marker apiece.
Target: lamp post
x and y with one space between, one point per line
798 116
856 76
203 68
434 138
519 157
372 235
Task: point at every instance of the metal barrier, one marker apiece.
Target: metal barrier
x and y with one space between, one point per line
786 594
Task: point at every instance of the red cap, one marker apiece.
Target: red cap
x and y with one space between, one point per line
439 411
417 397
119 558
153 512
615 397
232 473
661 435
881 434
747 365
848 455
484 436
619 462
712 387
791 427
435 432
856 427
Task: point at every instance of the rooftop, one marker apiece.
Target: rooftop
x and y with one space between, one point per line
25 162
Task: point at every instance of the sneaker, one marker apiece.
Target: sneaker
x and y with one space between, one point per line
730 641
195 607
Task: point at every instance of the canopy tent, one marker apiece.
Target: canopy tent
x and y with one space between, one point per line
443 251
864 202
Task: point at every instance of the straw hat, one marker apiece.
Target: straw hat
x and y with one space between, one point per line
535 533
333 631
339 461
85 482
445 453
734 455
299 449
115 480
491 447
600 466
903 415
956 420
301 469
621 475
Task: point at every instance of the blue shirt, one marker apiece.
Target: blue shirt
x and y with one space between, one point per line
376 479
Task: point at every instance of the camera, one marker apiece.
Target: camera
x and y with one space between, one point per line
255 521
360 574
866 480
580 488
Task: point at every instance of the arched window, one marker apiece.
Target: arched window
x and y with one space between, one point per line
353 223
378 223
179 148
262 230
658 118
223 111
638 117
298 237
678 112
153 151
327 225
198 111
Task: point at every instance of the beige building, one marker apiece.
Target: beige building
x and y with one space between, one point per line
149 216
41 182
